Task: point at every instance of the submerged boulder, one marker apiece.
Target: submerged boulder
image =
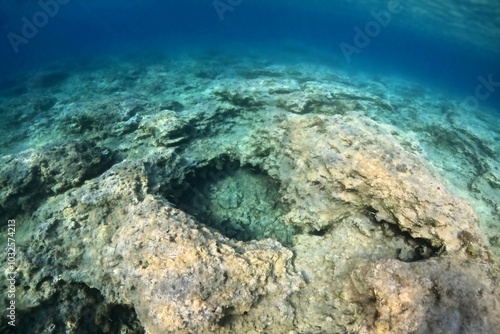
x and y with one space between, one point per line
29 177
271 204
135 249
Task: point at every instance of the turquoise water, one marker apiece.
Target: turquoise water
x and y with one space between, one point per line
419 42
239 166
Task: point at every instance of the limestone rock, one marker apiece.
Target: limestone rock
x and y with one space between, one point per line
376 221
111 235
334 167
424 297
166 128
30 176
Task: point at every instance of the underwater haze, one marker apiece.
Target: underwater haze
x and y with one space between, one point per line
250 166
446 44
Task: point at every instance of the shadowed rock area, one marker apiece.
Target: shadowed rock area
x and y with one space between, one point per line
293 199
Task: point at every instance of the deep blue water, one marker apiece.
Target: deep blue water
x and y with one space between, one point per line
82 30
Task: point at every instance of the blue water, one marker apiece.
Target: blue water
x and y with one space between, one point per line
283 30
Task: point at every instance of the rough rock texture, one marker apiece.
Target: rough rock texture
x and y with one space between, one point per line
364 193
437 296
137 250
29 177
388 216
335 167
74 308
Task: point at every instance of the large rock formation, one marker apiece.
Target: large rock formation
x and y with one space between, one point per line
280 201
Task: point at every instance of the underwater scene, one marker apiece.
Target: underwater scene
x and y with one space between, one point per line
250 166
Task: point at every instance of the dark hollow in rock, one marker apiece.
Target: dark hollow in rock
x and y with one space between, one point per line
117 318
416 248
30 177
321 232
241 202
71 306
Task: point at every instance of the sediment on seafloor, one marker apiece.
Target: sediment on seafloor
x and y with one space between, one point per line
252 198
